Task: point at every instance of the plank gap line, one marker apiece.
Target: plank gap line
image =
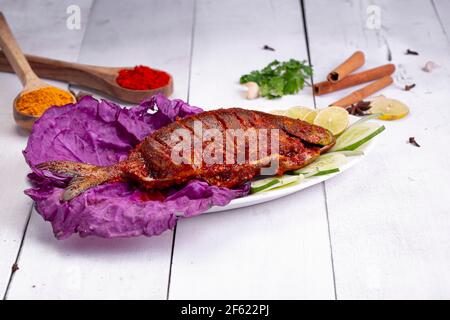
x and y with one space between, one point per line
187 98
433 4
192 49
324 188
16 262
305 30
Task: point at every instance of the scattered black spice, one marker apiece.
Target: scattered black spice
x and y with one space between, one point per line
14 268
413 141
409 86
266 47
411 52
359 109
389 52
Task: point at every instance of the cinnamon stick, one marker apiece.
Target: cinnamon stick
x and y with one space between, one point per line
355 61
354 79
360 94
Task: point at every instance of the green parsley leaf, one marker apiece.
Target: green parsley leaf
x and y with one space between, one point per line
280 78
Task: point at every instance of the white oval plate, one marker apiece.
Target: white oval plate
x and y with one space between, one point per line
262 197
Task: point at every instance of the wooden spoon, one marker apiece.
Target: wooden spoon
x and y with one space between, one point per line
102 79
29 79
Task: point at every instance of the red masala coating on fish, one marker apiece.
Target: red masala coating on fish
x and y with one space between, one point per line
151 164
299 144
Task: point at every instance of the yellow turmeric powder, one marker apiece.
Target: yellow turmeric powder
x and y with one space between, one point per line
35 102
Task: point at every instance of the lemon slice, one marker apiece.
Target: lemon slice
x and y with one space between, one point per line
298 112
391 109
334 119
309 117
279 112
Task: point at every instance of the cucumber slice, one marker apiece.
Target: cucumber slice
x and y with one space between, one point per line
325 172
356 136
272 183
365 119
318 173
299 179
260 185
349 153
325 162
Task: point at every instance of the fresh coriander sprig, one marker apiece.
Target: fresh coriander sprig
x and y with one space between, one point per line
280 78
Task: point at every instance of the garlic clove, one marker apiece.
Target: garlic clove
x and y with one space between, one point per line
252 90
429 66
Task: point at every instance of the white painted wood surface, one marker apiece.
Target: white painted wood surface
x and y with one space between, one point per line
388 217
274 250
30 22
442 8
94 268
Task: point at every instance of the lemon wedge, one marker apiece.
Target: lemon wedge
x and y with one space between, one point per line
391 109
334 119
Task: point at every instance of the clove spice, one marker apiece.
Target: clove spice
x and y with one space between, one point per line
413 141
409 86
14 268
411 52
266 47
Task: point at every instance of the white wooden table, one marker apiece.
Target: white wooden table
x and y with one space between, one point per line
380 230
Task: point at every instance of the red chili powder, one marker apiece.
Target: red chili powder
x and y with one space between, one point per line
142 78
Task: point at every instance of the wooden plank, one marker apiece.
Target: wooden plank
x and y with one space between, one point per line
389 218
442 8
30 22
274 250
156 33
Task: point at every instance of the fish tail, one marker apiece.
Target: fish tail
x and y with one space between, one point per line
84 176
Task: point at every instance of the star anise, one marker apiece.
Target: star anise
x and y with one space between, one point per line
359 109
